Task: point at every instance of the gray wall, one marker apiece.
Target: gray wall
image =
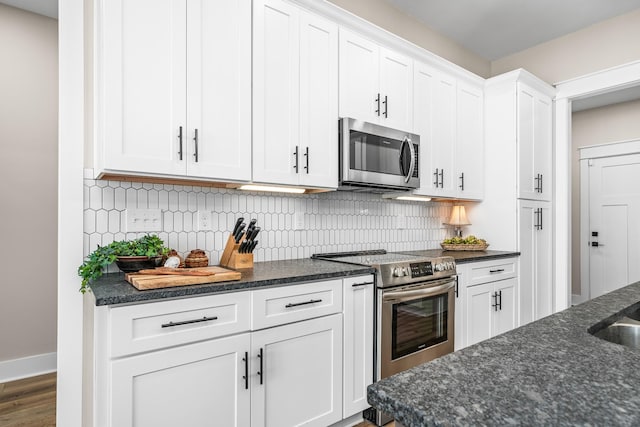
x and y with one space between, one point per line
28 171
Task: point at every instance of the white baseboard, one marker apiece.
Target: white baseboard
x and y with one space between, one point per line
25 367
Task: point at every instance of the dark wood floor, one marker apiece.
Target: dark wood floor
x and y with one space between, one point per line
29 403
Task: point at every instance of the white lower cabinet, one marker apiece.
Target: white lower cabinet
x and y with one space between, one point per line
293 355
198 384
296 374
487 301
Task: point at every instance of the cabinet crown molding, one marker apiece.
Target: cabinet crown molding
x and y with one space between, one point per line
522 75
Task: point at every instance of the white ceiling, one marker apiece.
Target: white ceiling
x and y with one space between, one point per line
496 28
42 7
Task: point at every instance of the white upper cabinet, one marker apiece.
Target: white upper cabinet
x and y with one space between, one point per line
448 116
534 137
376 84
469 142
295 96
165 106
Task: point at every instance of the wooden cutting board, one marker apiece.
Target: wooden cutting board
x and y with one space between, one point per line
157 281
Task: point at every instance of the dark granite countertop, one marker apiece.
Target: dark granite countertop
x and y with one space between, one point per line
549 372
462 257
114 289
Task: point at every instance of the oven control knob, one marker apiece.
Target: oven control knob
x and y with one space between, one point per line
398 272
438 267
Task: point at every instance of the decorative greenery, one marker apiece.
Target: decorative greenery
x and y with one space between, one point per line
149 245
469 240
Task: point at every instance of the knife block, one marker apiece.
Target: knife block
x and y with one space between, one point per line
232 258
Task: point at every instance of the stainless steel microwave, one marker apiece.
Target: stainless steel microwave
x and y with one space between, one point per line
377 158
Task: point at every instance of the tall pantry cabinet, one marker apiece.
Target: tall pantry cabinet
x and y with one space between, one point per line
516 211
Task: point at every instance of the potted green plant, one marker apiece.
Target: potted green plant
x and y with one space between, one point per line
129 255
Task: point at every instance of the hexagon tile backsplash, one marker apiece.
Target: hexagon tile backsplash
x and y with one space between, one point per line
333 221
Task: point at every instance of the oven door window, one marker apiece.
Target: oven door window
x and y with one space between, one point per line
418 324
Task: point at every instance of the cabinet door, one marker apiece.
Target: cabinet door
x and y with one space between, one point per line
525 141
194 385
469 142
358 343
318 102
301 368
460 338
424 81
396 90
443 134
543 260
141 86
359 78
275 92
219 96
506 317
527 219
479 301
542 134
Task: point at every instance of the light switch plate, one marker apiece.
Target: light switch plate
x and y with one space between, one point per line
143 220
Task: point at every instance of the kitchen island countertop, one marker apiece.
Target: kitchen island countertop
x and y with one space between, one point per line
549 372
114 289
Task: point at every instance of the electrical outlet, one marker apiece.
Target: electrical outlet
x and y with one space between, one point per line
143 220
401 222
204 221
298 221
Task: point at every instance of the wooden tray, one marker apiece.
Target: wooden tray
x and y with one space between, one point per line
463 247
158 281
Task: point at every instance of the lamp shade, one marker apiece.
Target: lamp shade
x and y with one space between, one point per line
458 216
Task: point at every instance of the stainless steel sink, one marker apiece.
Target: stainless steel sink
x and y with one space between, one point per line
625 331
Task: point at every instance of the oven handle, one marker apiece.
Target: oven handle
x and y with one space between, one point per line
409 294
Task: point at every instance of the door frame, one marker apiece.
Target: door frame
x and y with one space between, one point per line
620 148
604 81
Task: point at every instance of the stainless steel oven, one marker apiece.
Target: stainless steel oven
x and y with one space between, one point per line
416 324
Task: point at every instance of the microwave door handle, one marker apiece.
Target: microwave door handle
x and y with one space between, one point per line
413 160
400 159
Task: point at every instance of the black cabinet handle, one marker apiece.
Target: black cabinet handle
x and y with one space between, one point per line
456 288
441 178
306 155
261 357
386 106
355 285
377 100
497 270
435 174
245 377
500 300
195 139
296 304
495 301
186 322
295 165
541 214
541 182
462 181
180 140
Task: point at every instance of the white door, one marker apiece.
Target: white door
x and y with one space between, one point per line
614 214
301 368
276 92
193 385
423 82
142 80
443 172
318 102
219 90
359 78
525 142
358 343
469 142
544 261
479 301
396 90
543 137
505 318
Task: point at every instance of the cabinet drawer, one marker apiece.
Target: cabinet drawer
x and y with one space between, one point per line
277 306
144 327
489 271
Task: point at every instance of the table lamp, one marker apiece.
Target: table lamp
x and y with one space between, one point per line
458 218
